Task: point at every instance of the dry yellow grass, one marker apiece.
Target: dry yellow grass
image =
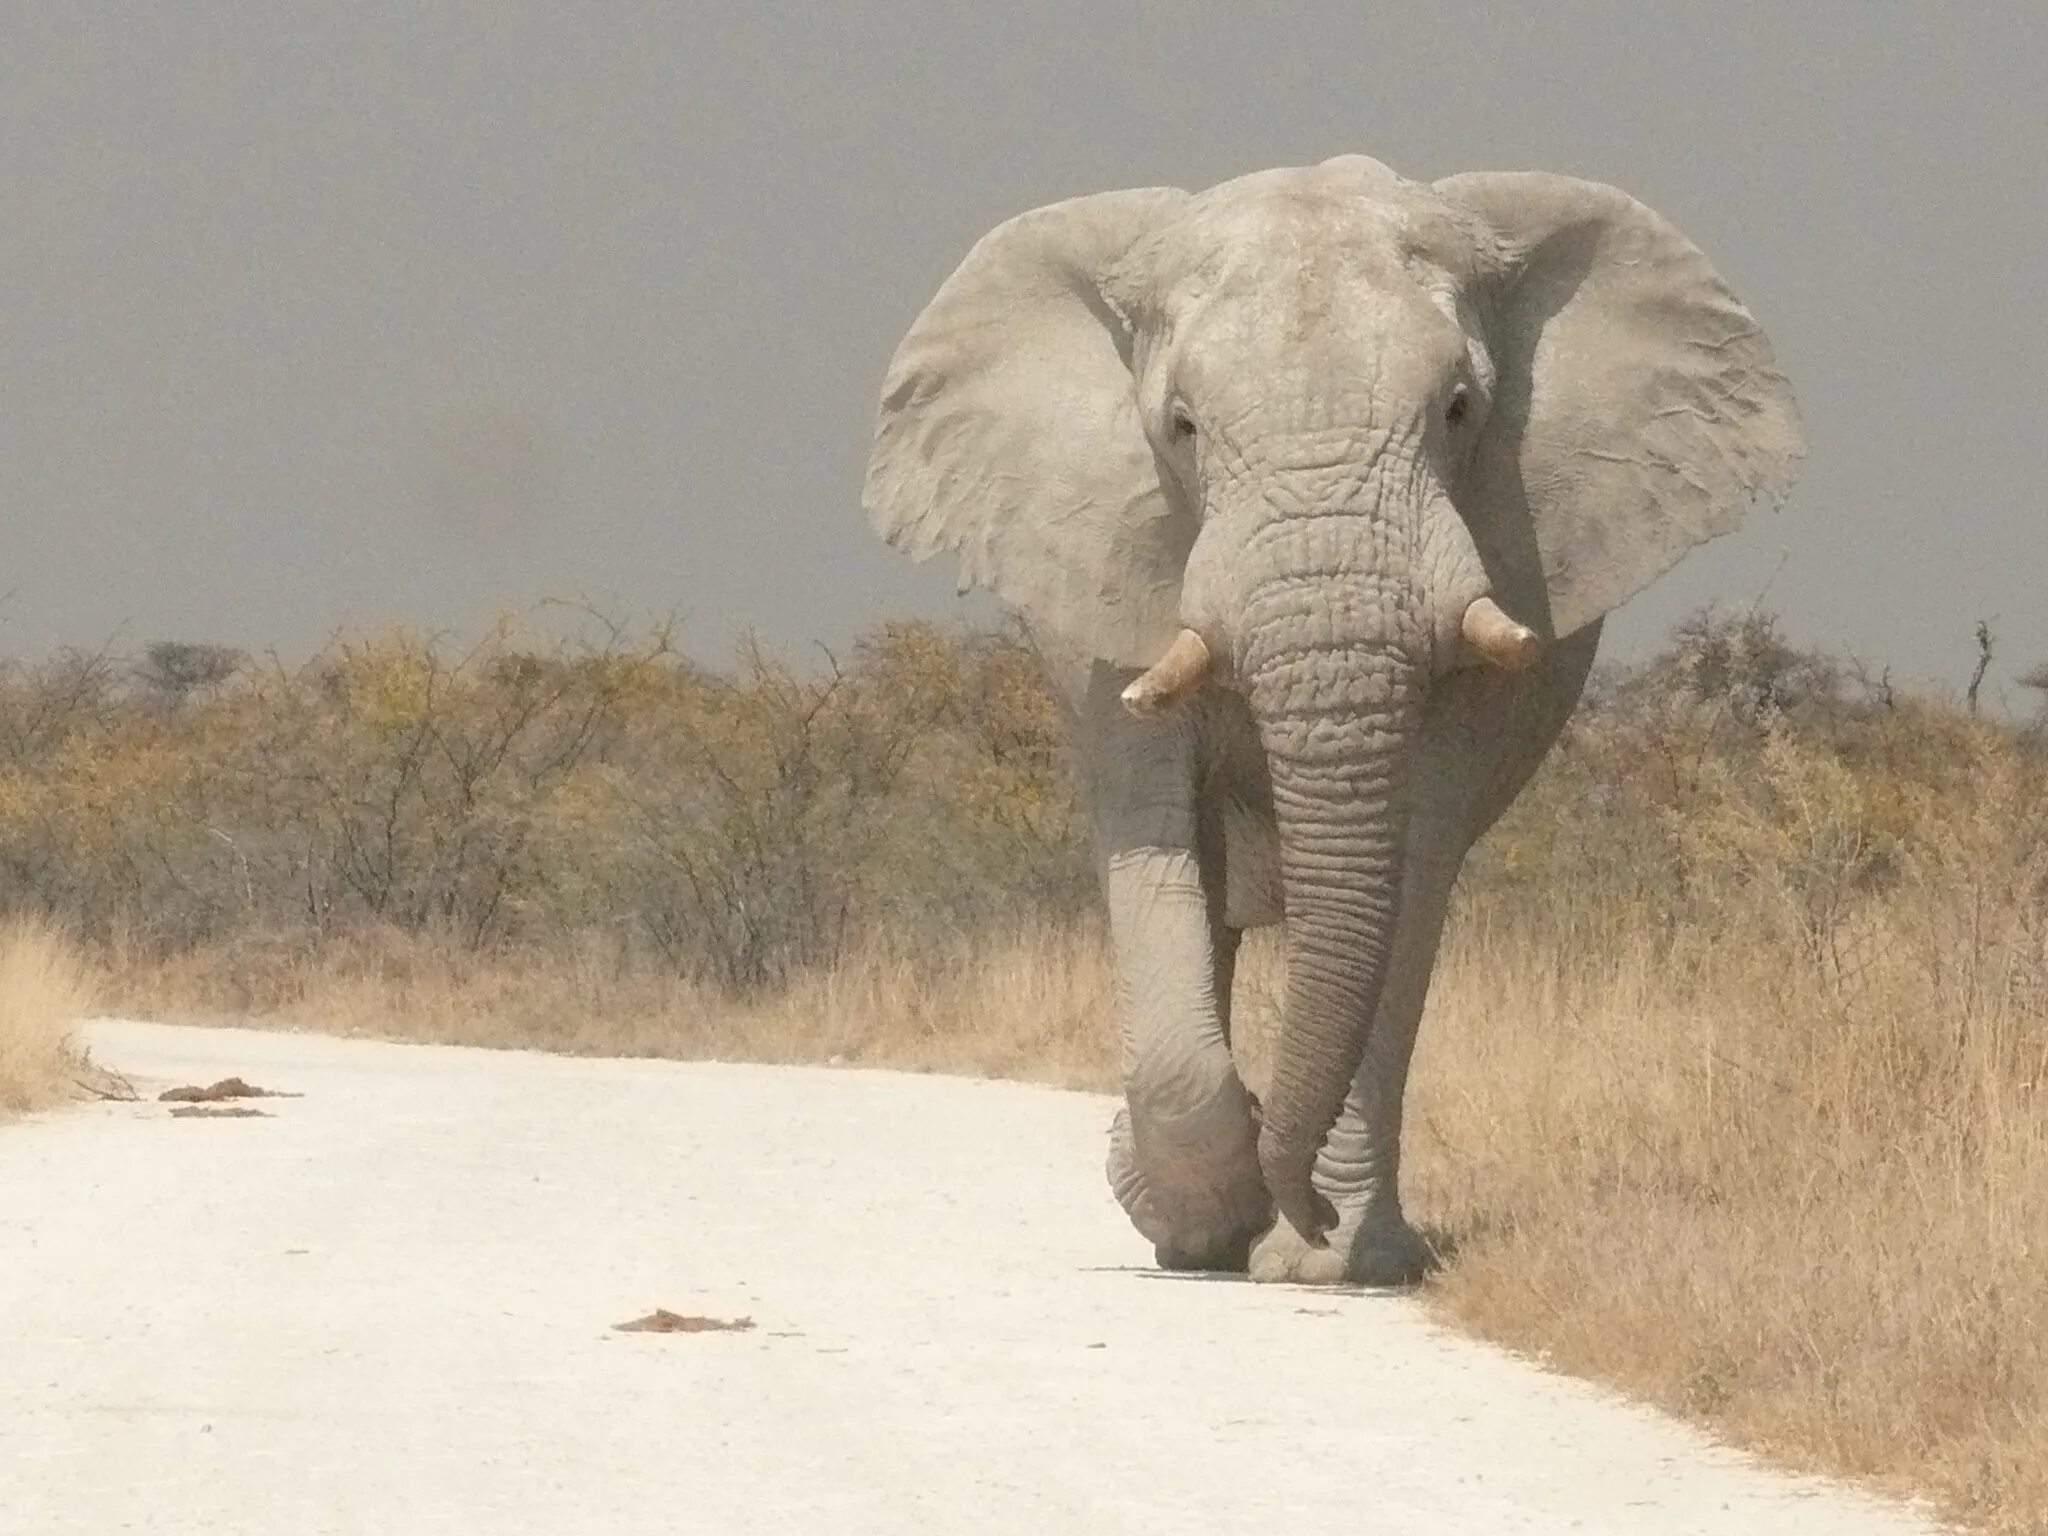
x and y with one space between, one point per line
1817 1223
45 989
1032 1007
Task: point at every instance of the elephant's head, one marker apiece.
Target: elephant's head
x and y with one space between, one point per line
1322 436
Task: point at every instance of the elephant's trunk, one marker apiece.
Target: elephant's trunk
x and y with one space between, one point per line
1338 721
1336 640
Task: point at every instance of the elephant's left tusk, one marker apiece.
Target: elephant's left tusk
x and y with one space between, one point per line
1172 678
1498 638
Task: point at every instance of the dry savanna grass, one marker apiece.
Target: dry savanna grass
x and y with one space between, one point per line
1031 1006
1818 1224
45 989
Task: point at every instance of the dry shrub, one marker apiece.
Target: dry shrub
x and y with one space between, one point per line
45 989
738 825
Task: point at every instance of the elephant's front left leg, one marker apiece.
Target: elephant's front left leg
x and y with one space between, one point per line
1183 1158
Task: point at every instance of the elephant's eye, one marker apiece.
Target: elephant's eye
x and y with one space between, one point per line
1455 411
1183 424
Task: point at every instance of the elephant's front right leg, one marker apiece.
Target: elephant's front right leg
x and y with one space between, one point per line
1183 1152
1183 1156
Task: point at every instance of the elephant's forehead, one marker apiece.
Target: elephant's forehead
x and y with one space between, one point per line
1351 221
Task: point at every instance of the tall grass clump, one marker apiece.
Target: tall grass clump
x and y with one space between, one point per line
45 990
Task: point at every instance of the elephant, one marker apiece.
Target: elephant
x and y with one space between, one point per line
1311 491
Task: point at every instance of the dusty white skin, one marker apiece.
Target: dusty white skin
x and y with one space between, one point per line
1313 488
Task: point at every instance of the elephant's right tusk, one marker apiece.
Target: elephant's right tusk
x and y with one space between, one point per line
1498 638
1178 673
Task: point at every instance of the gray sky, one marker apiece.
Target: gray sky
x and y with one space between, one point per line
326 314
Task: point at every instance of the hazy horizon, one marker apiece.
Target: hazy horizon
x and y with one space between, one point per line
338 316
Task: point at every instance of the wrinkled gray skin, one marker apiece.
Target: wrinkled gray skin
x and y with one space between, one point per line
1312 414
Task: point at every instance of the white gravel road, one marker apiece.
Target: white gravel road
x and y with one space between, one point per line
387 1308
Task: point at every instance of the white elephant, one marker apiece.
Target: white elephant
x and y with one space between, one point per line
1312 490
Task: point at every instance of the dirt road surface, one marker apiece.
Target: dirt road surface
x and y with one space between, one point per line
387 1307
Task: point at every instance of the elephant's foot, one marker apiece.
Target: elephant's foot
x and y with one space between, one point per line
1226 1253
1366 1248
1201 1206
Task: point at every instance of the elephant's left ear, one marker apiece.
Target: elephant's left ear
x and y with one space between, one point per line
1637 409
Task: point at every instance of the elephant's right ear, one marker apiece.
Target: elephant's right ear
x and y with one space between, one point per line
1009 432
